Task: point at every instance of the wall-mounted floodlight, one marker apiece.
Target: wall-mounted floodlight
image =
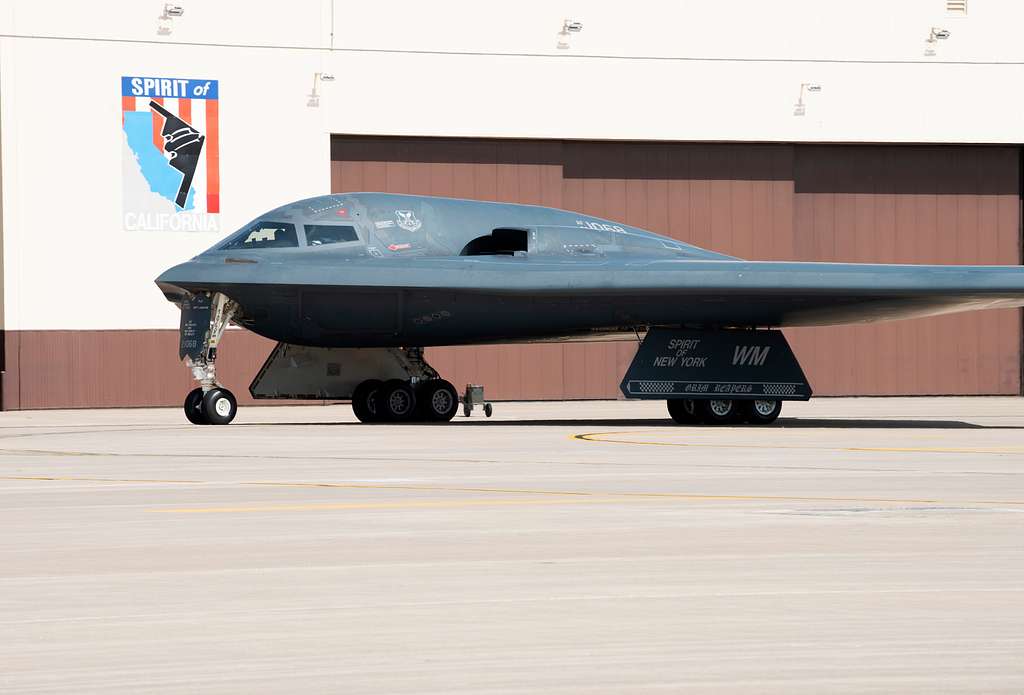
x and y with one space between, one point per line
934 36
568 26
800 108
313 100
163 24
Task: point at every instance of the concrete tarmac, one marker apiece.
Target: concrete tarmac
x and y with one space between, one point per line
859 545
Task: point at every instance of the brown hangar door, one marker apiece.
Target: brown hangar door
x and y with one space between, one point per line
858 203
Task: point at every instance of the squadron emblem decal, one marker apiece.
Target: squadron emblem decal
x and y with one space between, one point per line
407 220
171 158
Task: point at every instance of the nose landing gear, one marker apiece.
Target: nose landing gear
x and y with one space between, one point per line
219 406
215 407
194 407
204 319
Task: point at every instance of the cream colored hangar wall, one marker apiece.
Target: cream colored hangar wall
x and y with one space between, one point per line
729 70
686 70
72 257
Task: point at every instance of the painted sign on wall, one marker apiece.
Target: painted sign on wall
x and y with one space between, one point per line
171 161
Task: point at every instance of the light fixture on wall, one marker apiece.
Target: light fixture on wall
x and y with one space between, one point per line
313 100
568 27
934 36
801 108
163 24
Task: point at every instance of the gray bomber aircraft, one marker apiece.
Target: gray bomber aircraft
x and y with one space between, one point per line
354 286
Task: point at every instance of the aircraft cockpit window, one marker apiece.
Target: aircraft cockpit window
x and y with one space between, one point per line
323 234
264 235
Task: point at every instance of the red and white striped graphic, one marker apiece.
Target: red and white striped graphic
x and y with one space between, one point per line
201 114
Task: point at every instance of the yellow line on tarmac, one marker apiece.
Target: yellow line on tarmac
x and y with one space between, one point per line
409 504
281 483
604 437
74 479
579 498
428 488
549 497
790 498
941 449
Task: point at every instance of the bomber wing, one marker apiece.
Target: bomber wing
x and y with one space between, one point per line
801 294
654 292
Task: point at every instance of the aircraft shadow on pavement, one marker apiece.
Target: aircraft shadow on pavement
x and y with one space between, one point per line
840 423
782 422
805 423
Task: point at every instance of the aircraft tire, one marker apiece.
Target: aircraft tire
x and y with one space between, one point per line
683 411
194 407
438 400
219 406
723 411
364 400
761 412
396 401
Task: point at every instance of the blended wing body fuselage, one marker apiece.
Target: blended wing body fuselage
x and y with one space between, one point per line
375 269
354 286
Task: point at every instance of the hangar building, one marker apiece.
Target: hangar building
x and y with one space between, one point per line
783 130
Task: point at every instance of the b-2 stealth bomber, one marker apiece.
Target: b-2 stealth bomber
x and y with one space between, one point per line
354 286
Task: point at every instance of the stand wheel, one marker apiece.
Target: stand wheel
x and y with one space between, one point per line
761 412
219 406
194 407
364 400
488 409
683 411
396 401
438 400
718 411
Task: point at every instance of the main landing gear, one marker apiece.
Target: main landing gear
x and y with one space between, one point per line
423 396
392 384
398 400
724 411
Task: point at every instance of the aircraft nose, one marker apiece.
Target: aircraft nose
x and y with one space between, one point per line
173 274
174 281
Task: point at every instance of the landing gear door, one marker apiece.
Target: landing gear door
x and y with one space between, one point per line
715 364
195 322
